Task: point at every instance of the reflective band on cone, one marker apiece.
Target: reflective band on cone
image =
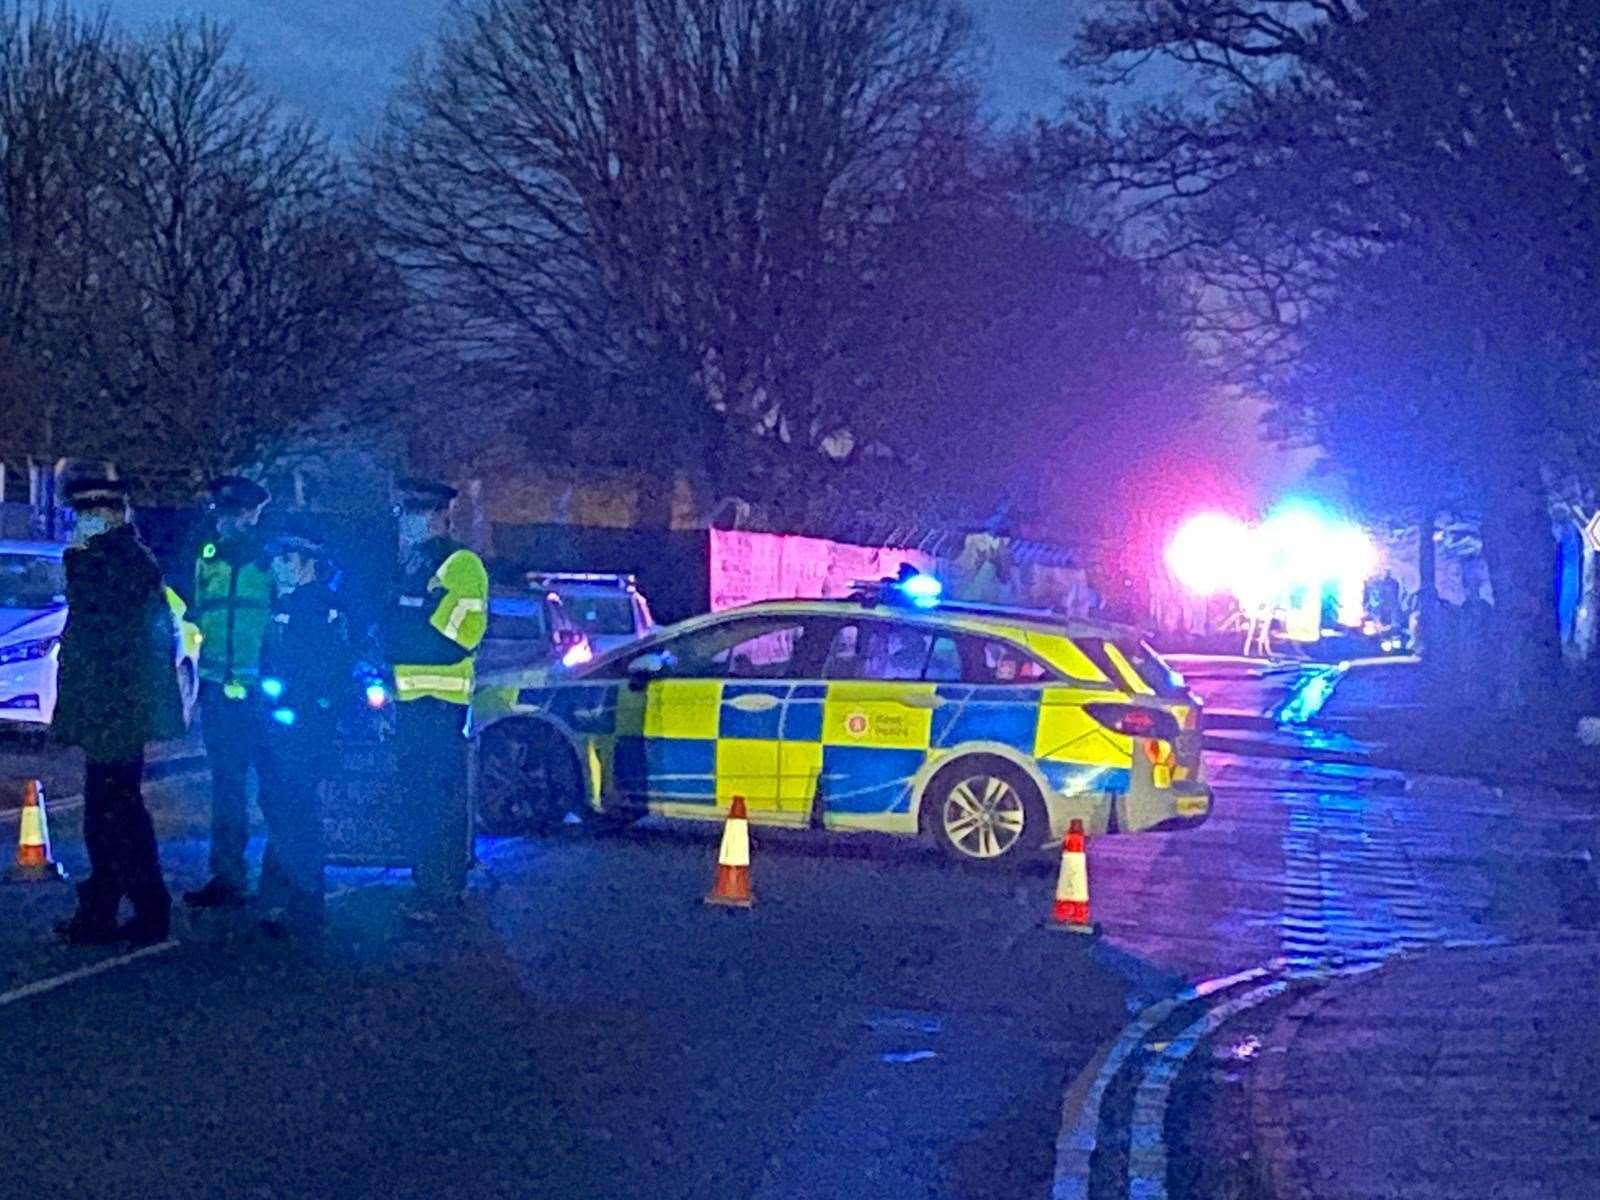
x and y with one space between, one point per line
34 863
732 885
1071 912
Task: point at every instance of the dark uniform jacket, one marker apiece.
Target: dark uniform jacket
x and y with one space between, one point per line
306 656
408 634
117 687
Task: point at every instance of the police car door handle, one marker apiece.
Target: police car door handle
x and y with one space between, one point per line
917 700
754 702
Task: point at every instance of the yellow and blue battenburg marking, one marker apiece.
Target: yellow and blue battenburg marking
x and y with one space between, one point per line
858 747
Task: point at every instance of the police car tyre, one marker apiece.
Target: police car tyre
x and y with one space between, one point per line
528 779
983 809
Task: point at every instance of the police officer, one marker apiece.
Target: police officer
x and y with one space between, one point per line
232 595
306 677
117 689
431 631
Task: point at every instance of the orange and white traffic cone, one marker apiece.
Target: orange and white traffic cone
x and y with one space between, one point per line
732 886
1071 913
33 838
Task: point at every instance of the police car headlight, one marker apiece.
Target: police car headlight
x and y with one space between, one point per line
28 651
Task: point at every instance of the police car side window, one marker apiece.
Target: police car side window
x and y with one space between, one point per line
759 649
1001 662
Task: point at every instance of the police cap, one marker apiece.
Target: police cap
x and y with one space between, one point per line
95 492
424 495
296 535
235 493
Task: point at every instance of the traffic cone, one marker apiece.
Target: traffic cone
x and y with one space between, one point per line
1071 913
732 886
33 838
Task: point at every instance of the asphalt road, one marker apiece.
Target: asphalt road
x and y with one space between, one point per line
881 1024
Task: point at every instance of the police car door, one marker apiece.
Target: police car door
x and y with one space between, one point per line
876 722
706 727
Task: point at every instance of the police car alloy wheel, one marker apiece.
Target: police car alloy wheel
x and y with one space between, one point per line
983 811
528 779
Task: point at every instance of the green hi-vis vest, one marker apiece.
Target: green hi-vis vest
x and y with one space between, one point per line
439 617
232 603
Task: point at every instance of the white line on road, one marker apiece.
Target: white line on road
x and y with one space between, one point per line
73 801
1080 1115
1147 1143
40 986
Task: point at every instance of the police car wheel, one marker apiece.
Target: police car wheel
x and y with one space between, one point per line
527 779
984 810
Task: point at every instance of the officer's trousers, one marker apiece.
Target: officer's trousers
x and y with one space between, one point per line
293 766
431 748
117 833
230 731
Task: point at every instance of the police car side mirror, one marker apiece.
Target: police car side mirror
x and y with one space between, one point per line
645 668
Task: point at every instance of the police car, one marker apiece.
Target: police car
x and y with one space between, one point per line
610 609
33 614
985 729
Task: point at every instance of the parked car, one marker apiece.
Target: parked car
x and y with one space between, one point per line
610 609
530 628
33 613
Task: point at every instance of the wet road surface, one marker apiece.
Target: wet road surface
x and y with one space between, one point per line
881 1024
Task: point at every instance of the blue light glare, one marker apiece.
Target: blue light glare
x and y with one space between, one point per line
922 590
284 716
377 695
271 688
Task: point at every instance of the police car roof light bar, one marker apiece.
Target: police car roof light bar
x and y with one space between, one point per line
546 579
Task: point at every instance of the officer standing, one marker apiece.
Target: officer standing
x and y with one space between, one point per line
431 632
306 677
232 594
117 689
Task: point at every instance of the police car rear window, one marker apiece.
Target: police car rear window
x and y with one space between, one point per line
1146 664
600 614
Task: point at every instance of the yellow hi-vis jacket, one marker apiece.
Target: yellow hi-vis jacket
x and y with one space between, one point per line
437 620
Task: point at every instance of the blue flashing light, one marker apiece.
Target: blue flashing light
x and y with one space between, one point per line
377 695
284 716
271 688
922 590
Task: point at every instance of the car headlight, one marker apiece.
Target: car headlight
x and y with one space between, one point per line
27 651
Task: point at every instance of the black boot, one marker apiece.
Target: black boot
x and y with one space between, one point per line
95 921
219 893
147 927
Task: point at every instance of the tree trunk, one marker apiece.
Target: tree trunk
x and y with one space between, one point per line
1427 589
1522 557
1587 624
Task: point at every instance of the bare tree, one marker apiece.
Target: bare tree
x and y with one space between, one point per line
243 283
187 280
1324 137
651 205
56 125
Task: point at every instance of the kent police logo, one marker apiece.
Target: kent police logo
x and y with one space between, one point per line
856 724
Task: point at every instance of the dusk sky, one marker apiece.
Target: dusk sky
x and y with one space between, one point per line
336 60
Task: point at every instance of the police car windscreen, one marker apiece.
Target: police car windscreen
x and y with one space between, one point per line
600 614
32 581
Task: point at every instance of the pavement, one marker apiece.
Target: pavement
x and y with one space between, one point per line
1469 1073
882 1023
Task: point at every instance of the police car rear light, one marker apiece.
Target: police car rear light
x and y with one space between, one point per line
1135 721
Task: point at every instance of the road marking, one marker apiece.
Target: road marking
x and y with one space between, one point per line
66 802
1147 1146
40 986
1080 1109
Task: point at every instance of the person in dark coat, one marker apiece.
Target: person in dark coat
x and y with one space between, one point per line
117 690
307 676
